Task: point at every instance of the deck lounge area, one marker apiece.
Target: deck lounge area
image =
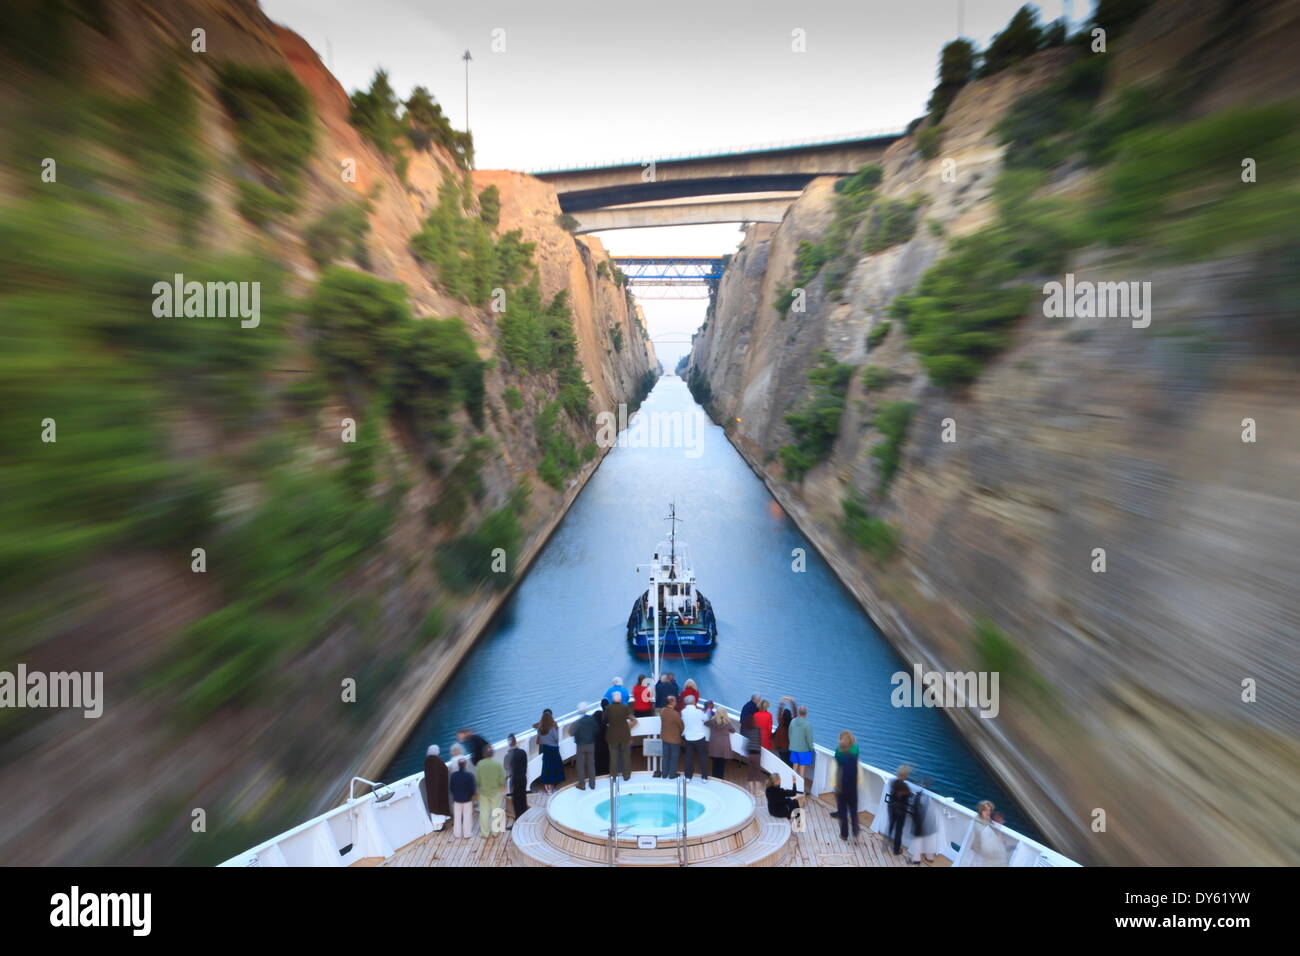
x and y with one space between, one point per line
818 844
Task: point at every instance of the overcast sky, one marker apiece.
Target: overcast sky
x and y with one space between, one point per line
585 81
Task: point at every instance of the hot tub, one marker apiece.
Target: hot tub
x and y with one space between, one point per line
651 807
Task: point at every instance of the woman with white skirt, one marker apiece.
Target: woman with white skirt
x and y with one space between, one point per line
986 845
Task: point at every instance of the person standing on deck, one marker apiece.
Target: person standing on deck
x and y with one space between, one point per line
473 744
619 734
517 767
616 686
673 689
670 731
986 846
490 777
801 746
747 712
925 827
457 751
548 738
436 781
900 805
643 703
662 690
584 735
756 776
846 785
763 718
602 744
689 689
721 727
694 737
781 736
462 800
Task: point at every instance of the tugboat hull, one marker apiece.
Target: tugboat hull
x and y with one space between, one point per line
677 638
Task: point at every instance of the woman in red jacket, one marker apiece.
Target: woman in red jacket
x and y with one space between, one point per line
643 697
763 720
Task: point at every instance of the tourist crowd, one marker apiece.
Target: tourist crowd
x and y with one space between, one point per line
696 736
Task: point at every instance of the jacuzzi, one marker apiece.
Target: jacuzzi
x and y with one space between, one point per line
649 806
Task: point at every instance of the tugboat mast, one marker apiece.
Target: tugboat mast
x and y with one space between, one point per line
672 519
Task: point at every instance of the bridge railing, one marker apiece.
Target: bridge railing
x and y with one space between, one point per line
771 147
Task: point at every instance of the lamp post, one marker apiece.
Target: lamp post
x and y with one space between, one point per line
467 58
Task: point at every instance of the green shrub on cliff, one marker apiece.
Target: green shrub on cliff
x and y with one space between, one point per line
467 562
956 64
890 222
341 230
1020 38
425 124
462 485
436 369
878 333
876 377
423 368
816 426
274 124
892 419
875 536
470 259
374 112
863 181
489 208
962 310
358 319
1168 191
560 456
928 141
159 133
1041 128
281 568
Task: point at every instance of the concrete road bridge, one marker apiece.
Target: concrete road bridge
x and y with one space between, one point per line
755 184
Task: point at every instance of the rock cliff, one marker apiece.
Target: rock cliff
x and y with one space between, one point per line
1156 696
344 579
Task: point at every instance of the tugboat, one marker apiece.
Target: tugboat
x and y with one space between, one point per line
672 618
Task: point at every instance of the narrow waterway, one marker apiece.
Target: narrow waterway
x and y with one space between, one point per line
561 637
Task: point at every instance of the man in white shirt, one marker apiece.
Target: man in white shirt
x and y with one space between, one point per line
694 738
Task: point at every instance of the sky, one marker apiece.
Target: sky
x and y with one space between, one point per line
567 83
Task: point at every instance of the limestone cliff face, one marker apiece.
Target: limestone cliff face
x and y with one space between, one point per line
1083 434
395 627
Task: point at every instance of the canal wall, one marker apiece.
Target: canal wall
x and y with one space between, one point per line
341 581
1084 517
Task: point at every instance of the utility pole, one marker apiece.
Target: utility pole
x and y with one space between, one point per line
467 58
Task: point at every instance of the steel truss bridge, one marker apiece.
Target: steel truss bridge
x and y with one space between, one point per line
673 277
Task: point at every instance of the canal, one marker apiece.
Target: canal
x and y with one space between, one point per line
561 636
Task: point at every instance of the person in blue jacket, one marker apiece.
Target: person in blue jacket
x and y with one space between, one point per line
617 685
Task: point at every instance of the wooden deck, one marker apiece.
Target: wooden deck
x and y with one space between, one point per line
818 845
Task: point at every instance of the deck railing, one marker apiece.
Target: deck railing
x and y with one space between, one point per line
365 827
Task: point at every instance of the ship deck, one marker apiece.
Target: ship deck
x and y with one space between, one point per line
818 845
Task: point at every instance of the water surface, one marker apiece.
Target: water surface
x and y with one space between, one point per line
561 636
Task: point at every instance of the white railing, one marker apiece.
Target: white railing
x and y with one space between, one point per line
769 147
390 816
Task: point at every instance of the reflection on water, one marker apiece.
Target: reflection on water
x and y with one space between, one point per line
561 636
